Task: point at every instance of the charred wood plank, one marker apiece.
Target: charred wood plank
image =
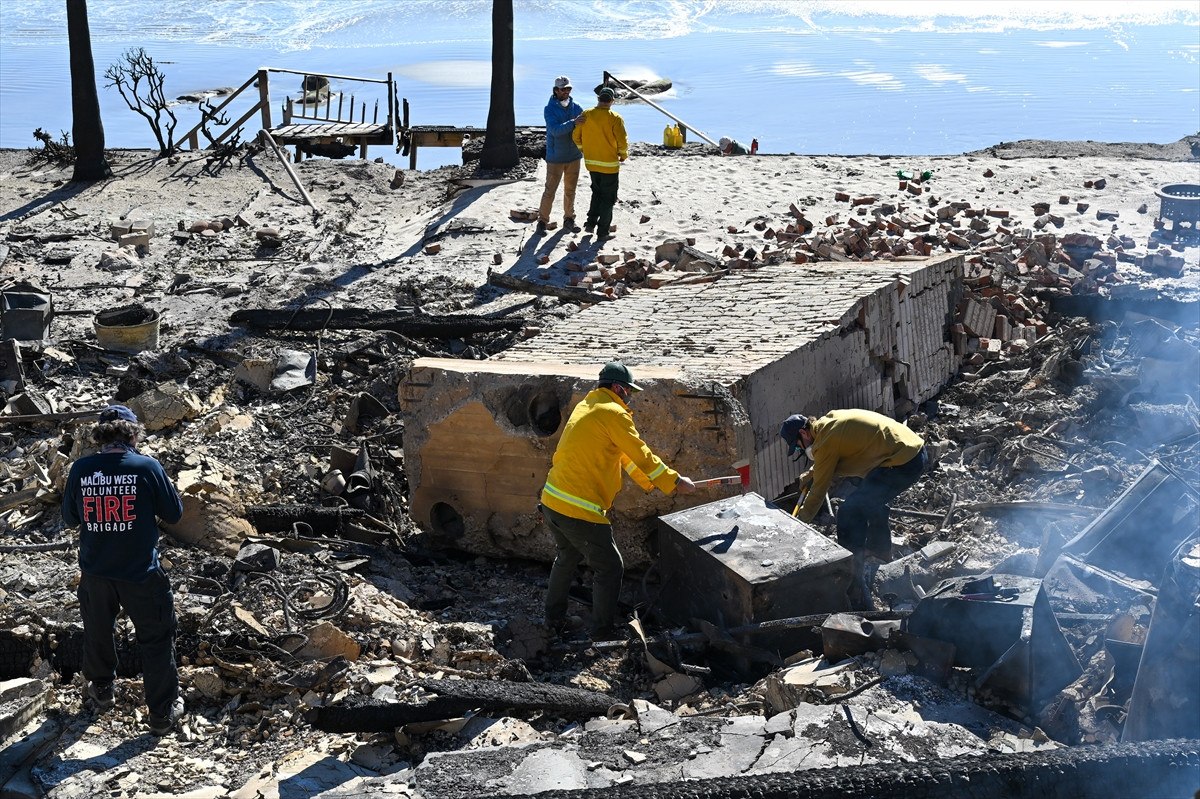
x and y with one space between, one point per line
768 626
417 326
18 497
34 418
529 287
456 697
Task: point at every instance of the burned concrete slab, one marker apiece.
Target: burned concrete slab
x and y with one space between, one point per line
479 436
743 560
21 700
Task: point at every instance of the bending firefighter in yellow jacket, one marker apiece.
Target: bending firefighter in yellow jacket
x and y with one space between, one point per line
600 134
887 455
598 445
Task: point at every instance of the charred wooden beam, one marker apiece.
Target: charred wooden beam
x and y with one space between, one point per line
456 697
283 518
529 287
768 626
418 326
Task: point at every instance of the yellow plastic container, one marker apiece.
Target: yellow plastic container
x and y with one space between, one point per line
672 137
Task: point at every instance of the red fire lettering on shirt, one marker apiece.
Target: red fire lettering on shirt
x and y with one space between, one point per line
112 509
127 505
90 508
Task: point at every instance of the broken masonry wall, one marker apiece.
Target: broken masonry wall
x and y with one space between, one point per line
889 351
723 364
479 439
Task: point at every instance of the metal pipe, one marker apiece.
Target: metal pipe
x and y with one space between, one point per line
652 104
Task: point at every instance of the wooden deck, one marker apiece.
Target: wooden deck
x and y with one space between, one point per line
327 131
412 138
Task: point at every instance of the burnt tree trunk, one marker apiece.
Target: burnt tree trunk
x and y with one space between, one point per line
86 126
500 142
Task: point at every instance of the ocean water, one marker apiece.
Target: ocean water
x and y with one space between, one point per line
832 77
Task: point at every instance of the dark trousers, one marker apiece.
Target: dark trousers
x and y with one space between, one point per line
578 541
151 607
862 520
604 197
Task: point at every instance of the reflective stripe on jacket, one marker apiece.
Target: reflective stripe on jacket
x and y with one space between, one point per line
601 137
850 443
600 442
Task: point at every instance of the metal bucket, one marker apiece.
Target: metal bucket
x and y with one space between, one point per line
131 328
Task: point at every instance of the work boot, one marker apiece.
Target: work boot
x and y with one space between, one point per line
609 633
102 695
589 226
160 726
859 591
541 226
569 224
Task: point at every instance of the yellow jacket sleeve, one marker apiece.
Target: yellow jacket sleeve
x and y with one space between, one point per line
655 473
636 474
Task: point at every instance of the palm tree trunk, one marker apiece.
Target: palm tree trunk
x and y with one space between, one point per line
500 144
88 130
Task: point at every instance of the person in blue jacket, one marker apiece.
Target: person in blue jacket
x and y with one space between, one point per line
114 496
562 156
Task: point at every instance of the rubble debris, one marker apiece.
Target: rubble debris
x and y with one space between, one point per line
1003 626
452 698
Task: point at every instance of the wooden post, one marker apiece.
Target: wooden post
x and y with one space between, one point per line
283 159
412 154
287 112
362 149
391 106
264 97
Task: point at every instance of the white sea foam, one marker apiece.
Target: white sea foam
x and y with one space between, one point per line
745 68
296 25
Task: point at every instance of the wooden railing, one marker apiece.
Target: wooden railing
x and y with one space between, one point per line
263 106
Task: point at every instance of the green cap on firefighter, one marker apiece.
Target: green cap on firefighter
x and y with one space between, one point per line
617 372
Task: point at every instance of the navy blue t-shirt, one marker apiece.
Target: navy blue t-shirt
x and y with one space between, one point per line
114 497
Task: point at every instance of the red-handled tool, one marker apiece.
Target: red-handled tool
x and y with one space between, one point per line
742 478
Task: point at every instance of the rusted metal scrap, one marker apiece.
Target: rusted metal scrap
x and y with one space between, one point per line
454 698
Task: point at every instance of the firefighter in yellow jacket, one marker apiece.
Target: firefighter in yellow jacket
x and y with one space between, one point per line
600 134
887 455
598 445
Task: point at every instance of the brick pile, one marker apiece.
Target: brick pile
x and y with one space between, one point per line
1008 264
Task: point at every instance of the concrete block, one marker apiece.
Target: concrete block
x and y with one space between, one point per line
134 240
